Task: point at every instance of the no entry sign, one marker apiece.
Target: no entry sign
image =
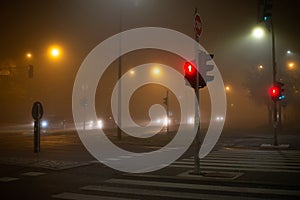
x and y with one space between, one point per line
197 25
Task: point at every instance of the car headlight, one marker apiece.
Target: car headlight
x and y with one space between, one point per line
44 124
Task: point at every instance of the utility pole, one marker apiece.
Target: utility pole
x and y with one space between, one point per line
198 23
166 102
275 118
119 124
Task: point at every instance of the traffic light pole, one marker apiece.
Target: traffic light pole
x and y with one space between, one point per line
167 105
197 114
119 124
275 120
197 138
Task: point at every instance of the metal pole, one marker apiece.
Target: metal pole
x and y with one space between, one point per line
167 102
119 124
275 121
197 114
197 138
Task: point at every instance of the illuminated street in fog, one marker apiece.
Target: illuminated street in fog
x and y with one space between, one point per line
99 99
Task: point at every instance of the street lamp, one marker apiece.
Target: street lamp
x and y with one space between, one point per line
28 55
156 71
291 65
54 52
260 67
258 32
227 88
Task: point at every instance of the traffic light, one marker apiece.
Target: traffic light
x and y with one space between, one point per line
204 58
30 71
276 91
264 10
190 74
281 96
165 100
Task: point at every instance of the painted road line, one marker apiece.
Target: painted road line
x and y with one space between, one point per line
164 194
33 174
205 187
235 168
75 196
256 165
8 179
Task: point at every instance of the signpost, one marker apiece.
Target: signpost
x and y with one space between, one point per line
37 113
198 31
197 25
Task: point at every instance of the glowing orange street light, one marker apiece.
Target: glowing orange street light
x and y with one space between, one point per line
54 52
227 88
28 55
291 65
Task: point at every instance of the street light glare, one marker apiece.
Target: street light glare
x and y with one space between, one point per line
291 65
29 55
156 71
55 52
258 32
132 72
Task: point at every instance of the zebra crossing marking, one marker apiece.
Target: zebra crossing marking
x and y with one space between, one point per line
163 194
8 179
205 187
33 174
186 187
246 160
76 196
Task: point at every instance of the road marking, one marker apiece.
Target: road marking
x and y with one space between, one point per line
269 162
256 165
75 196
205 187
245 160
235 168
33 174
8 179
162 194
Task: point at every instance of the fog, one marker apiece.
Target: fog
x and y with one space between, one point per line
77 26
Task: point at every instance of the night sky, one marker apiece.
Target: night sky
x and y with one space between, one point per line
77 26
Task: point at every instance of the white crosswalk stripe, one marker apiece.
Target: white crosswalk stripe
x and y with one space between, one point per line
261 161
157 186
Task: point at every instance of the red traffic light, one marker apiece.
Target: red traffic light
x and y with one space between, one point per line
189 68
274 92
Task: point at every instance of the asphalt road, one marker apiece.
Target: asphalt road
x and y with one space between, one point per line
237 169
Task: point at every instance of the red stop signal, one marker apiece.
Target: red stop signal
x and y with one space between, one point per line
189 68
274 92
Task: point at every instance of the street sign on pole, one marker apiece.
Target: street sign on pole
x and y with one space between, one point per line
198 31
37 113
197 25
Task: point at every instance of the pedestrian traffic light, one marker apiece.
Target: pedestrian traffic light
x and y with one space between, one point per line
204 58
276 91
166 100
190 75
30 71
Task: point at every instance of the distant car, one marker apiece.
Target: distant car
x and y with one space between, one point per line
53 122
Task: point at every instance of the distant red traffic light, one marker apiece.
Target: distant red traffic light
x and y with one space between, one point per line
275 92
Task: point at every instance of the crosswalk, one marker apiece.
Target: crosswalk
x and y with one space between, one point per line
212 184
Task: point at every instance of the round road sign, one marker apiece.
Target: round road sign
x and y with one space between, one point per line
37 110
197 25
